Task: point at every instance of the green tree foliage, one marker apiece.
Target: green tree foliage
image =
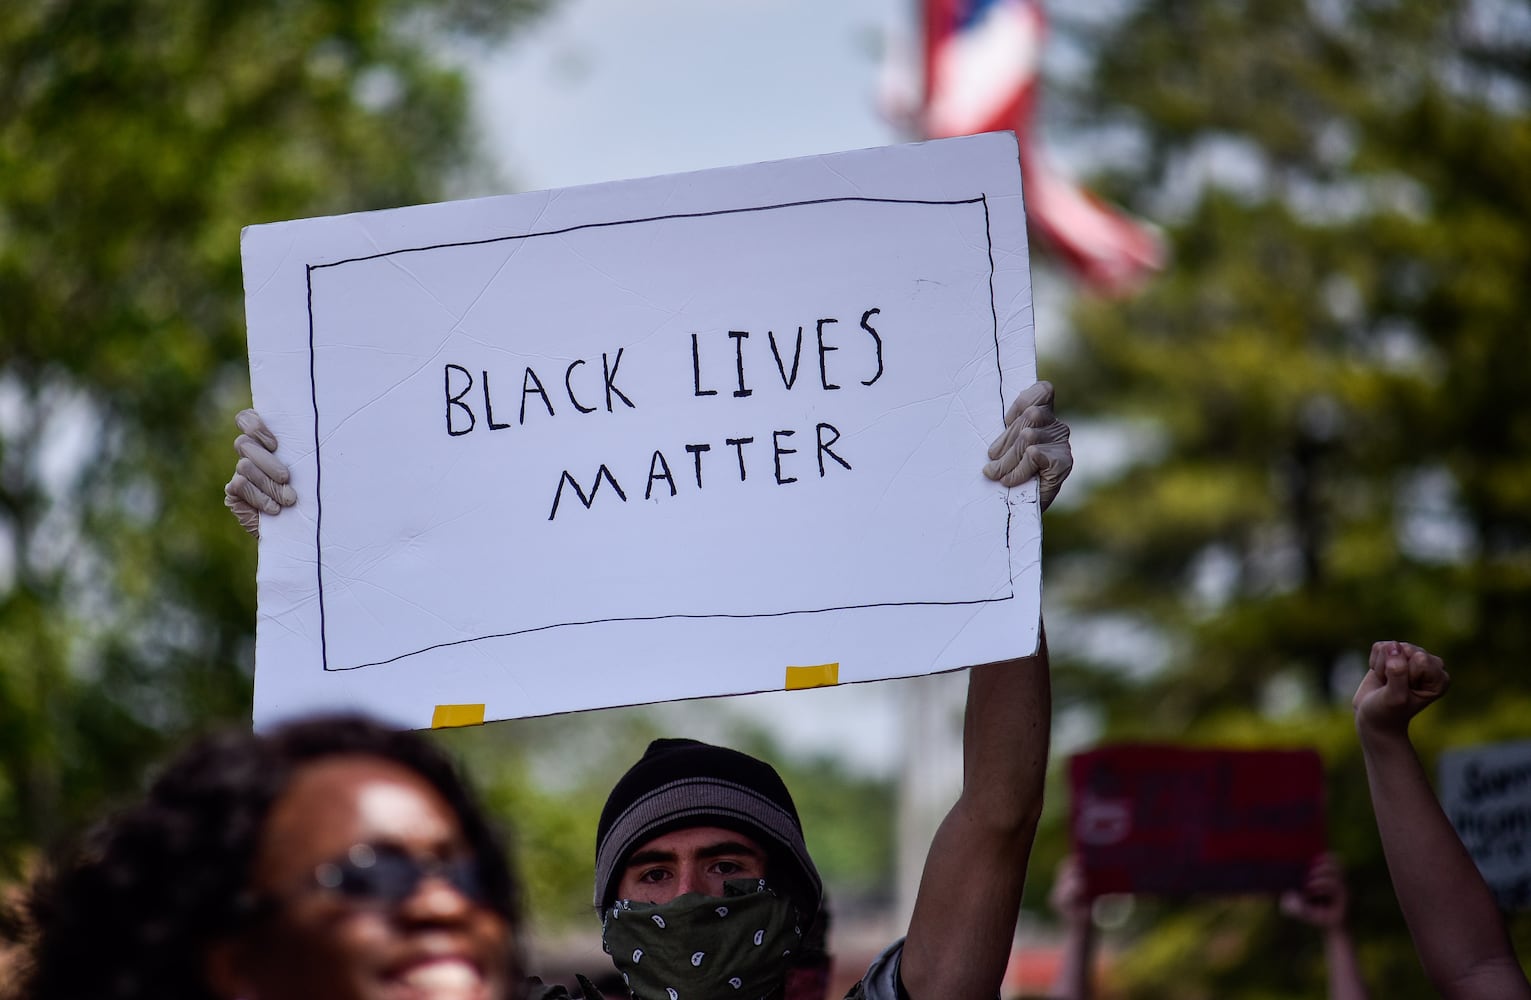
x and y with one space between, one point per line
136 138
1326 399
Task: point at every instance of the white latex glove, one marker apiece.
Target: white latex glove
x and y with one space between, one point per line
260 483
1035 443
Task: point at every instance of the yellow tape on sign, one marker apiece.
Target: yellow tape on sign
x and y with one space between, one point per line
447 716
823 675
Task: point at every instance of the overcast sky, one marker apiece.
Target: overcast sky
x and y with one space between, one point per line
607 89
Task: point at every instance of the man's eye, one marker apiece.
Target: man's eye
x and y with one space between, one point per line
728 867
654 875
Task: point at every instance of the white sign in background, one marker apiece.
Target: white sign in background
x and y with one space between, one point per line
647 440
1486 792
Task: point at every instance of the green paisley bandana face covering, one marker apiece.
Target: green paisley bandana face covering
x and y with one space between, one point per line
698 947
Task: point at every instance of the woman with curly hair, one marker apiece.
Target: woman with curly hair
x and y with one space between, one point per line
329 858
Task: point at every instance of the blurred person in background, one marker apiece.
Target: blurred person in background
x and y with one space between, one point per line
331 859
703 880
1074 908
1451 913
1322 902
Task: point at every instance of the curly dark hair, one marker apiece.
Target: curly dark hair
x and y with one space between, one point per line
129 912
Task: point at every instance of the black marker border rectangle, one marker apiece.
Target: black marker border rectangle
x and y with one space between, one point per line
318 451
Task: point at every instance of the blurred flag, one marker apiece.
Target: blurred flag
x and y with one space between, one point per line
981 70
981 64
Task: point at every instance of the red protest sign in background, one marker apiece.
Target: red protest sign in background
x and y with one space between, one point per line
1171 820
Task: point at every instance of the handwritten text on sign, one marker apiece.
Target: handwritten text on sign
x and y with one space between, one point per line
1171 820
461 417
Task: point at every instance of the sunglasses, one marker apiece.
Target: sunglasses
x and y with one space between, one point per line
384 875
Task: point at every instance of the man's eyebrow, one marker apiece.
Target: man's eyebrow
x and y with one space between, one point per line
721 849
649 858
727 847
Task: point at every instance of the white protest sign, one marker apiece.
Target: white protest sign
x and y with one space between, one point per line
694 435
1486 791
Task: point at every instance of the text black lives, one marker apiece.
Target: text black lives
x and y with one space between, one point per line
587 395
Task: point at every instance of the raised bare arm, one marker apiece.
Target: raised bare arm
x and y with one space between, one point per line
1451 914
970 893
